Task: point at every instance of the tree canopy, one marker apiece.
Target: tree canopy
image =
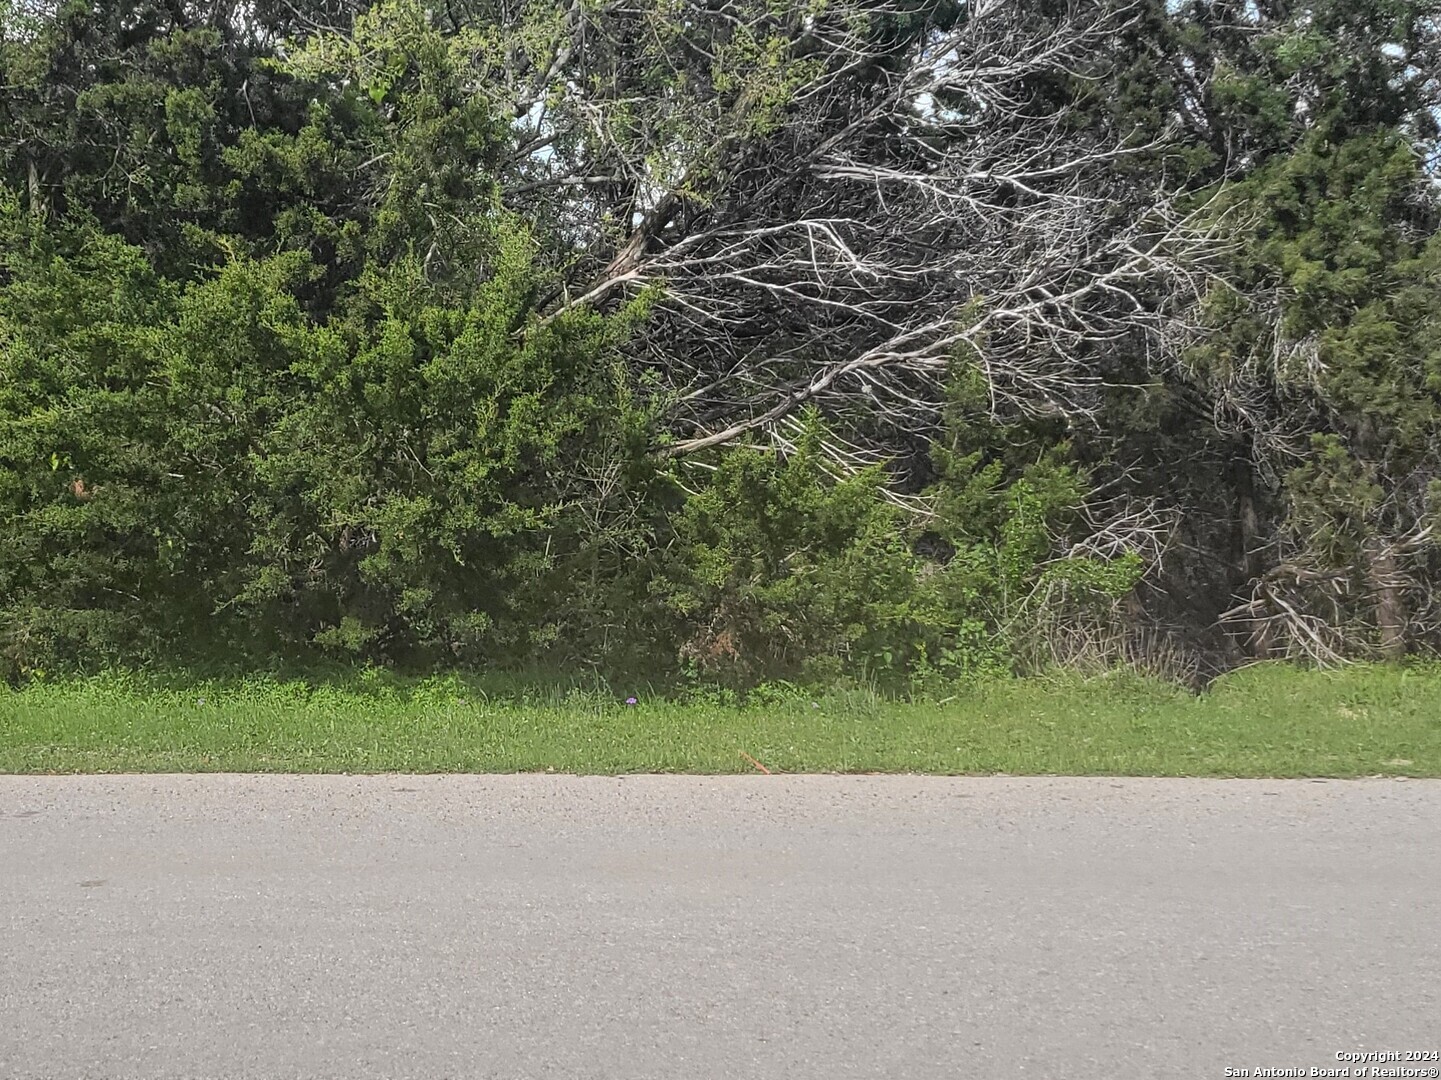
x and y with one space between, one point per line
914 337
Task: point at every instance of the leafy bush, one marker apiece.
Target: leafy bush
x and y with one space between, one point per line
208 462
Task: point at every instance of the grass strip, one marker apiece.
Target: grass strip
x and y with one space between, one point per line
1266 721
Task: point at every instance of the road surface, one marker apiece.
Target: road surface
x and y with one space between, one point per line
759 927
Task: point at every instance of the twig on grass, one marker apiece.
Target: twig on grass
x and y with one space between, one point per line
756 763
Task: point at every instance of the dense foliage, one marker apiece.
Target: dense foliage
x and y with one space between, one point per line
908 337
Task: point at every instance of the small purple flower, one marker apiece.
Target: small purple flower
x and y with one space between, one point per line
632 701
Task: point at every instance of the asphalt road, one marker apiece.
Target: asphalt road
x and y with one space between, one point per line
758 927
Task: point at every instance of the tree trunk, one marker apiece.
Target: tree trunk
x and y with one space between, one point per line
1390 604
1260 641
36 190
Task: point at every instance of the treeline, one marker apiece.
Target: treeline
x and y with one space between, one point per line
911 338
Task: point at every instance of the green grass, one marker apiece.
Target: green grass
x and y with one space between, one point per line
1264 721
